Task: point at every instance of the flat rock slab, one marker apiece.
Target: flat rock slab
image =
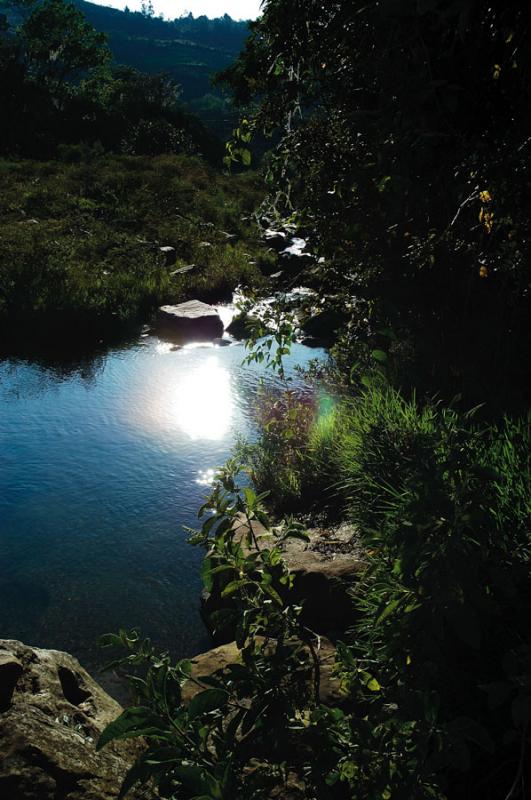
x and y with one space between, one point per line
52 717
193 320
217 659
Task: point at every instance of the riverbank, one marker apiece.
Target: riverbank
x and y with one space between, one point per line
97 241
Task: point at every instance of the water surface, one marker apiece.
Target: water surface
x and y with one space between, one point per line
102 463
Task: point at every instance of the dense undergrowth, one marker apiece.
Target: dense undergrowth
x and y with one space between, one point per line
80 238
435 669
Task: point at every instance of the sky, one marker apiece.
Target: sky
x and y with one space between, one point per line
238 9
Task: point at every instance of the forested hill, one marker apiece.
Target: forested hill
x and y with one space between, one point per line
189 49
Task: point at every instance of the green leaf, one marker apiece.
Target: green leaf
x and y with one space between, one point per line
379 355
389 609
138 772
233 586
272 593
246 157
195 779
207 701
136 721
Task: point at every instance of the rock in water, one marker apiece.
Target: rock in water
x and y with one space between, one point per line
243 325
51 717
192 320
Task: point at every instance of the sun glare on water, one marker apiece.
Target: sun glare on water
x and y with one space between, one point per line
202 404
199 402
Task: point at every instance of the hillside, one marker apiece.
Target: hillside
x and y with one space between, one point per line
189 49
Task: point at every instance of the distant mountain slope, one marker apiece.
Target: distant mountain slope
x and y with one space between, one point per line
190 49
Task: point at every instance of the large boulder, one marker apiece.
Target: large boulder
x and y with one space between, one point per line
193 320
169 254
325 569
294 258
217 659
324 325
51 716
275 239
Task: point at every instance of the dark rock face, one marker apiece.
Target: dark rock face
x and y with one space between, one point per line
193 320
51 717
323 326
169 255
325 570
10 671
275 239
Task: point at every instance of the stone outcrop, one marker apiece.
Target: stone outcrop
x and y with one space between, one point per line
324 325
325 568
51 716
193 320
206 664
294 257
275 239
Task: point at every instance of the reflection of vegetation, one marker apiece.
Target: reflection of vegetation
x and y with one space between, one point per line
80 238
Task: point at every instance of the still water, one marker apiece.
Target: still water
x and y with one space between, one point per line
102 463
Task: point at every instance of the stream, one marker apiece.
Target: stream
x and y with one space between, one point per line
103 460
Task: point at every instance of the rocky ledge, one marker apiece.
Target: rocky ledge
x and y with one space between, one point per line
51 715
214 661
325 569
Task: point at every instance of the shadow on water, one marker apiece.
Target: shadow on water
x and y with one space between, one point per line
67 355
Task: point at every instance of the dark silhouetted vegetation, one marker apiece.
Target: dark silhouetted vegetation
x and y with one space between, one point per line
404 150
59 86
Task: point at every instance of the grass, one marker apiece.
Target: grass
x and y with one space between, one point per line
440 502
353 456
80 238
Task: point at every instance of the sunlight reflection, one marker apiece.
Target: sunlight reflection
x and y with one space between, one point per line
206 477
201 402
163 347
